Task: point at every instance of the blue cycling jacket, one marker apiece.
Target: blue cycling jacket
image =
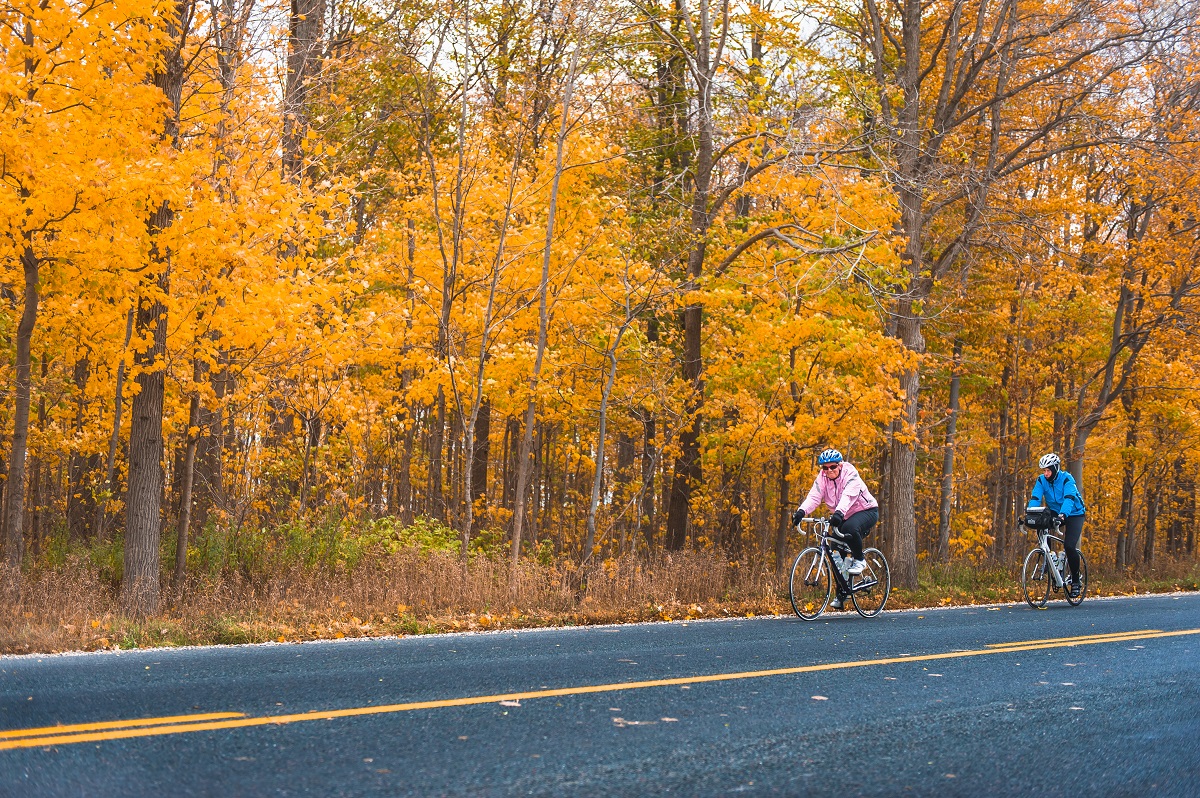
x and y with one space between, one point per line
1062 495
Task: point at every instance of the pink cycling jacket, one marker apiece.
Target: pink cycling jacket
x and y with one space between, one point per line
847 493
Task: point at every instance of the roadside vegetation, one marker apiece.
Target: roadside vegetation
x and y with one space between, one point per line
299 583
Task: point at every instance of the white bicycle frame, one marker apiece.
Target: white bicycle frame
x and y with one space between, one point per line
1056 568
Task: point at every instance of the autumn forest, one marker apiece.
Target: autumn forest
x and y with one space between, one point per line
584 285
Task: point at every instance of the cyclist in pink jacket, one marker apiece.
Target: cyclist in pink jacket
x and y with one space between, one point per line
855 510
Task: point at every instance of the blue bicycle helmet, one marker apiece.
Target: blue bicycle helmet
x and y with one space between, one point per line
829 456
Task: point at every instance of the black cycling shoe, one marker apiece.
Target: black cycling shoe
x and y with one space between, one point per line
1075 589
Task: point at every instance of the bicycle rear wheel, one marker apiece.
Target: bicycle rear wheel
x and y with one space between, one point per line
1075 602
869 590
810 585
1035 582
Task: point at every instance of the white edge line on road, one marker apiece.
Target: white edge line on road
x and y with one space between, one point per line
163 650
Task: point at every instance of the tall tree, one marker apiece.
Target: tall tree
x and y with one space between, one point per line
143 510
969 94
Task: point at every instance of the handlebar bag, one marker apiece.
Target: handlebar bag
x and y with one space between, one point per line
1039 518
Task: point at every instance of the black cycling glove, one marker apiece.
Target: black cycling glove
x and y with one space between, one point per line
836 519
798 516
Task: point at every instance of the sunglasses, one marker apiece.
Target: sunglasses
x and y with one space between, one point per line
831 467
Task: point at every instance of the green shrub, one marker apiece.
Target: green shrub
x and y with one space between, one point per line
427 534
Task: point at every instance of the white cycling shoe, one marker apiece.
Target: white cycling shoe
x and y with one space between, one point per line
857 566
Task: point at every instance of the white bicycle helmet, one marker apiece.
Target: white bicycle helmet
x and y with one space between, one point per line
1050 461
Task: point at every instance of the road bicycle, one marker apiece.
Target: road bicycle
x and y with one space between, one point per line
818 568
1046 567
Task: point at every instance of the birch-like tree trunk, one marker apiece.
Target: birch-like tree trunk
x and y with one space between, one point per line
610 355
523 458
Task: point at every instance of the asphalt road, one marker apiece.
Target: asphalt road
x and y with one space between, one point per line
908 703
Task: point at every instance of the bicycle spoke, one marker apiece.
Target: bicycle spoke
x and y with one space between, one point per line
1035 582
869 590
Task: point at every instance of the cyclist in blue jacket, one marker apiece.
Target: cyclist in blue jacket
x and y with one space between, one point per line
1056 489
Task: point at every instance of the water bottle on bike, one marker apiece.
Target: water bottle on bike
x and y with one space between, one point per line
842 566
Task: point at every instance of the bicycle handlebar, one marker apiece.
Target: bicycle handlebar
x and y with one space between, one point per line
824 527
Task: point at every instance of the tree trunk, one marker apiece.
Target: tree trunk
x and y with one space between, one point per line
78 506
404 490
784 525
437 444
114 439
626 453
143 530
943 543
1125 531
481 452
649 465
1003 496
210 451
1153 494
38 478
688 468
1175 505
477 431
305 45
903 457
189 470
650 455
598 475
143 506
14 522
1189 514
1060 418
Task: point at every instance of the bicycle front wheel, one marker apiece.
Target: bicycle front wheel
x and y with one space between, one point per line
1075 602
810 585
1035 582
869 590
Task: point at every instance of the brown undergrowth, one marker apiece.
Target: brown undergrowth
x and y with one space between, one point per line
73 606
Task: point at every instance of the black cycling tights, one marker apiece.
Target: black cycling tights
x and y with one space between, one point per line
856 527
1072 532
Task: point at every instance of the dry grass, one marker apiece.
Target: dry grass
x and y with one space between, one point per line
73 606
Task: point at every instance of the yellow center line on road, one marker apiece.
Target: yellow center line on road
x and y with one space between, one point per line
119 724
1099 637
275 720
